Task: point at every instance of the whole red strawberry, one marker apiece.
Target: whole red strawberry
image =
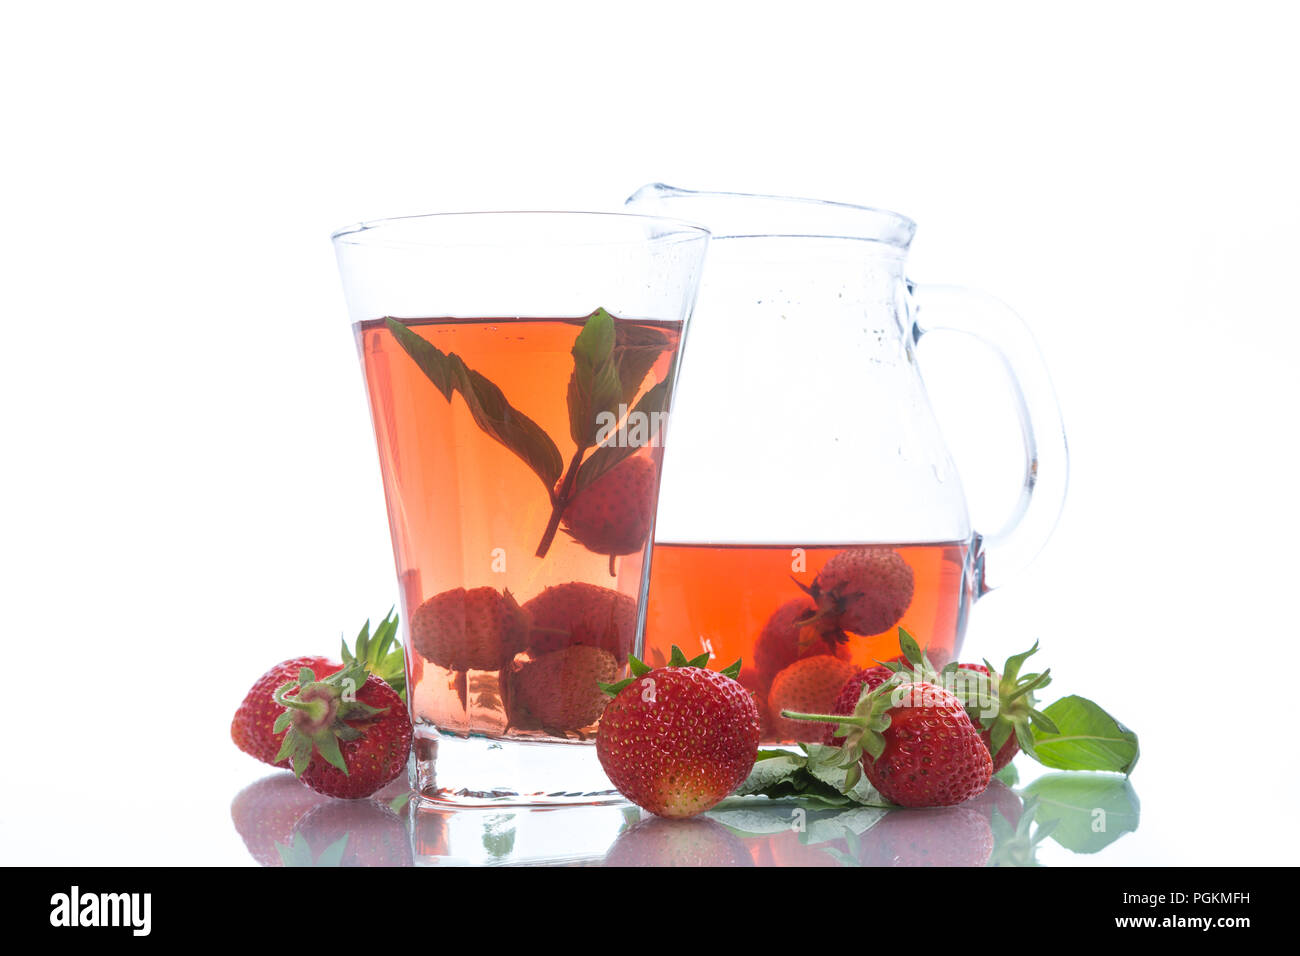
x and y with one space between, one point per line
581 613
345 735
809 685
252 728
784 640
1010 747
1002 706
864 591
915 743
677 739
560 691
479 629
612 515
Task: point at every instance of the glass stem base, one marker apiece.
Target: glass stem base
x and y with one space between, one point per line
485 772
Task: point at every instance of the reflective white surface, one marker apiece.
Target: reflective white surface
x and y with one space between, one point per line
189 490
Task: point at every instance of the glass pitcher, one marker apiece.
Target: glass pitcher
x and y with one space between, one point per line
809 507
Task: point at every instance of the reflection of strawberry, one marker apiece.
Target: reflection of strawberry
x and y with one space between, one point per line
560 691
862 590
788 848
581 613
809 685
696 842
265 812
479 629
676 740
783 640
612 515
346 735
997 796
349 833
432 831
952 836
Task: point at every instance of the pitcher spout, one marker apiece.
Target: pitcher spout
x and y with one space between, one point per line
744 215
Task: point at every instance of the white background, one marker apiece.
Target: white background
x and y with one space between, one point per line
188 481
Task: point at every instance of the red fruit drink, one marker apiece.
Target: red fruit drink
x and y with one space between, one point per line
753 603
485 522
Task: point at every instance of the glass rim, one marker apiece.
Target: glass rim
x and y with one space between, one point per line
380 230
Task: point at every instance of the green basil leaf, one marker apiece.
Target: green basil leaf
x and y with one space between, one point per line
1088 739
486 403
1086 811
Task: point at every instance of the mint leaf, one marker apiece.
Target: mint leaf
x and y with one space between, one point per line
771 767
1085 812
1088 738
818 825
811 779
606 457
636 349
486 403
594 386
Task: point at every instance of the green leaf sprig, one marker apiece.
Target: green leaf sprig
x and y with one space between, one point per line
610 361
486 403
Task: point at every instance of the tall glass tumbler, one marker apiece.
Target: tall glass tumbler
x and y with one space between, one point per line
519 368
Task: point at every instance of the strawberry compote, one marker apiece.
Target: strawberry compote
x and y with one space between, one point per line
517 459
753 602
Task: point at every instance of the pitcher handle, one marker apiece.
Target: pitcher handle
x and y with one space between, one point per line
1046 474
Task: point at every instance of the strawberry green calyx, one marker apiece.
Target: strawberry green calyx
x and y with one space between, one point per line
316 716
974 688
380 653
862 730
1002 704
677 659
1016 707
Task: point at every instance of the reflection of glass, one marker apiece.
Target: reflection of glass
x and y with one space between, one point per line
806 458
519 369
